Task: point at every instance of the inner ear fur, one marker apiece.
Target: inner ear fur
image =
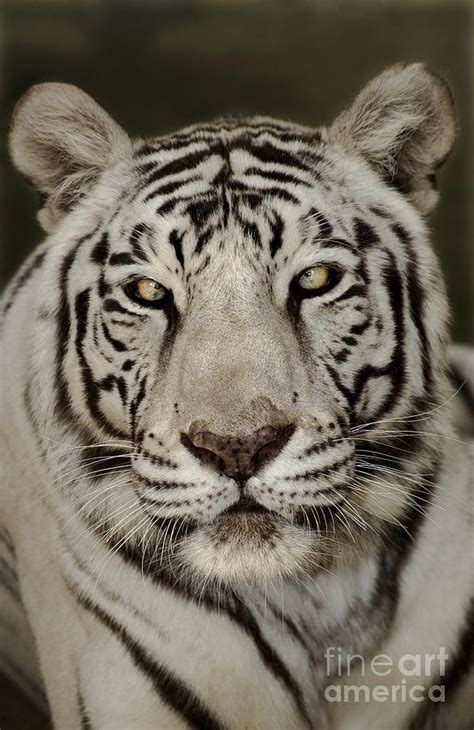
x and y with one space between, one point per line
403 124
61 140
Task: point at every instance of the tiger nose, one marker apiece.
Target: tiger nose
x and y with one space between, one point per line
238 457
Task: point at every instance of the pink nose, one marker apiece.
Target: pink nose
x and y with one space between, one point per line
238 457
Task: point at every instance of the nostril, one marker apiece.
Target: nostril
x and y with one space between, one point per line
274 443
238 457
202 453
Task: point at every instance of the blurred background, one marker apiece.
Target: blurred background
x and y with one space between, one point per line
158 65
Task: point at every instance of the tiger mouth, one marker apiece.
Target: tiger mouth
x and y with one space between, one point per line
245 506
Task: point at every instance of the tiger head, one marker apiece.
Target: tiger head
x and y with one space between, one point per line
251 307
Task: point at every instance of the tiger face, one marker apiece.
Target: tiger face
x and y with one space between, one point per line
241 304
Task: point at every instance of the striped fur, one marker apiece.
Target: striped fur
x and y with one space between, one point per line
154 603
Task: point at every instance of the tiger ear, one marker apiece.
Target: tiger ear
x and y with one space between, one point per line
403 124
61 141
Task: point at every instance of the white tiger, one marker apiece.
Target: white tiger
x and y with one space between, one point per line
227 442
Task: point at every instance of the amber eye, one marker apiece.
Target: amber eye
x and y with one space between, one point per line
314 278
149 290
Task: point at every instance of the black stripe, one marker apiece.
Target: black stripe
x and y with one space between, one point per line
277 227
170 187
325 228
291 627
320 446
112 305
100 251
416 298
63 330
201 210
356 290
203 240
244 617
136 403
396 367
176 241
269 153
85 719
171 689
180 164
364 234
358 329
23 278
91 388
235 610
116 344
399 542
123 258
279 177
169 205
237 186
313 473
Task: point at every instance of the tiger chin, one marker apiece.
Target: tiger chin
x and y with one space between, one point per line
234 429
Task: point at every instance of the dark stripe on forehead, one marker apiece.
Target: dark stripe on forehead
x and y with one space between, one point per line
170 187
277 227
280 193
364 234
325 228
202 240
201 210
176 240
174 167
276 176
244 133
270 153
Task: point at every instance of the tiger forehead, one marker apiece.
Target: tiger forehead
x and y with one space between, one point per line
224 154
253 179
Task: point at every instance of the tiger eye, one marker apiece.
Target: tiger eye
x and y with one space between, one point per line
150 290
314 278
